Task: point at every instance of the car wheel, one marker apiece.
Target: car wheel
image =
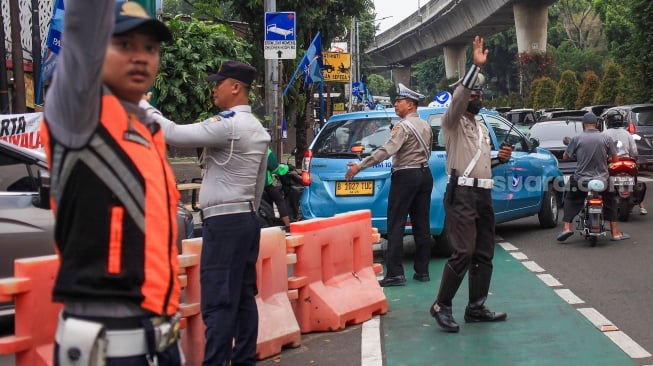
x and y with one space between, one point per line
441 246
548 215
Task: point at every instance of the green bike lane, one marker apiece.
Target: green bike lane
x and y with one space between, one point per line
541 329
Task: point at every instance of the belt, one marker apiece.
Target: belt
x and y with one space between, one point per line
414 166
475 182
226 209
132 342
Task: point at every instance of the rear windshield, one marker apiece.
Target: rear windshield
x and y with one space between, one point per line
337 138
644 117
555 131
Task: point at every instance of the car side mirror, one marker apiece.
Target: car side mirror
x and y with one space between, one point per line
43 199
534 142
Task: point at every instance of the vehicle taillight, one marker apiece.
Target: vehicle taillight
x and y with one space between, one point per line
595 201
632 128
306 168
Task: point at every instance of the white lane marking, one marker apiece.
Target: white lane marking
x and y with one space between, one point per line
519 256
627 345
549 280
569 296
371 343
532 266
507 246
600 322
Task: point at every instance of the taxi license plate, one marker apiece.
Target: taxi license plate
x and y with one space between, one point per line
355 188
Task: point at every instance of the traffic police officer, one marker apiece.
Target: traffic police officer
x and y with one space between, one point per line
410 190
469 221
235 155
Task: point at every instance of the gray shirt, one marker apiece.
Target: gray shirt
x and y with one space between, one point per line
403 145
461 133
625 143
591 149
235 153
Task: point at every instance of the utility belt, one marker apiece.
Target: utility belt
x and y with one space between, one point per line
88 343
475 182
226 209
413 166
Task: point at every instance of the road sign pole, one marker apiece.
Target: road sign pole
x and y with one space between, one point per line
279 109
271 85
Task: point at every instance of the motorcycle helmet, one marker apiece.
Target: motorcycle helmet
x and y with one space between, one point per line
614 119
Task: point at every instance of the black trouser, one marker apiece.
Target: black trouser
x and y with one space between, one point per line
470 226
575 198
410 194
277 197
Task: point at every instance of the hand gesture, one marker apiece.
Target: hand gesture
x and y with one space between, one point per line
352 171
504 153
479 54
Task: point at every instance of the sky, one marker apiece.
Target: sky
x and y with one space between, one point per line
398 9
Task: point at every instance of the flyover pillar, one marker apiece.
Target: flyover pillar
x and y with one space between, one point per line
402 75
530 25
454 60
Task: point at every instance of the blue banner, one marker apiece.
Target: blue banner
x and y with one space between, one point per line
52 47
311 64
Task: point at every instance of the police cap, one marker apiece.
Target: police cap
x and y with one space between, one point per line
235 70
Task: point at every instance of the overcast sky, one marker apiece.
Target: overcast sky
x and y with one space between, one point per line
398 9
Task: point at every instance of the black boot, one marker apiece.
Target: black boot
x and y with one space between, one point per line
479 286
441 308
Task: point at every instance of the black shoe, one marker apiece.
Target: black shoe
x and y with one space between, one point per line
393 281
422 277
483 314
444 316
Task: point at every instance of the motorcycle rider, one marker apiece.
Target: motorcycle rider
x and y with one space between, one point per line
591 149
274 191
625 143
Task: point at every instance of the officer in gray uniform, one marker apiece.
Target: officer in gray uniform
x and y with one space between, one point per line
235 155
469 221
410 191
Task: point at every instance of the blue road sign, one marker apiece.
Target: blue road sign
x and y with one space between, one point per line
280 35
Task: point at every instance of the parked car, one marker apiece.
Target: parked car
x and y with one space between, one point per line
26 221
550 134
564 113
597 109
523 187
638 119
523 118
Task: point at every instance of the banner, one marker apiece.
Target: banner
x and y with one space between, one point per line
22 130
52 47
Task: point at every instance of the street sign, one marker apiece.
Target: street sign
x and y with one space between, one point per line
280 36
337 66
442 99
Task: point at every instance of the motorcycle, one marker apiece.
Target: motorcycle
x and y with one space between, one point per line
292 189
628 192
591 223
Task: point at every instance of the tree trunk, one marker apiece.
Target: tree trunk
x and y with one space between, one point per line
4 87
17 58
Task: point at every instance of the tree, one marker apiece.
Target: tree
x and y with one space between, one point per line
580 22
642 57
567 91
197 51
569 57
610 85
543 92
587 90
428 74
501 68
378 85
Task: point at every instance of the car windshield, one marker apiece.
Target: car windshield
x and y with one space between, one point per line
555 131
644 117
338 137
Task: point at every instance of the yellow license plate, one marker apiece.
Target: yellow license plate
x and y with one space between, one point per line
355 188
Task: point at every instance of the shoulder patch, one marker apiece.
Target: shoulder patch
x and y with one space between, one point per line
394 130
226 114
212 119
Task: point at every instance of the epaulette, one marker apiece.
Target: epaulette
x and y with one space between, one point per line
226 114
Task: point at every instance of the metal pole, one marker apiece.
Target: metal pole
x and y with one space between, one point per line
271 87
36 46
279 109
4 87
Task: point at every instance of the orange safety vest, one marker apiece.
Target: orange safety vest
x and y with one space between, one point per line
115 204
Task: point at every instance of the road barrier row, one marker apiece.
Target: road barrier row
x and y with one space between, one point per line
332 284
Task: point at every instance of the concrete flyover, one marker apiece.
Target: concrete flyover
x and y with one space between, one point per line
448 26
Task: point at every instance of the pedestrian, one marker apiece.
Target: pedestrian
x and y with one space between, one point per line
235 156
469 213
591 149
409 145
114 195
626 146
274 191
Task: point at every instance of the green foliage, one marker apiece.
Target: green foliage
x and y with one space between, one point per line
587 90
569 57
501 66
643 50
610 86
543 92
567 91
378 85
428 74
196 51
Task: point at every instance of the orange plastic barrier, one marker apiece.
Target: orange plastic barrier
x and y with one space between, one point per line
192 340
334 273
277 324
36 315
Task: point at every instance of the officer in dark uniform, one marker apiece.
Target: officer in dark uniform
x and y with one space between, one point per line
410 190
235 155
469 221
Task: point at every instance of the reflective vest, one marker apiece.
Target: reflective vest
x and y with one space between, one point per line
115 204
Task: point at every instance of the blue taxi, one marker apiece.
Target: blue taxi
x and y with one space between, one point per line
529 184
